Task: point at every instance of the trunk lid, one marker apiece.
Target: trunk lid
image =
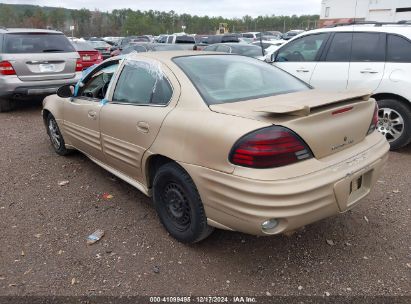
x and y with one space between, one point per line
328 122
39 67
89 56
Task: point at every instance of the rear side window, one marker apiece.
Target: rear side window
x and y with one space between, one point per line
170 39
340 48
23 43
368 47
142 83
399 49
304 49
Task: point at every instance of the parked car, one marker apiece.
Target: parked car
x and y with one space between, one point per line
34 62
88 54
291 34
213 39
372 56
251 35
248 50
103 47
267 44
221 140
183 39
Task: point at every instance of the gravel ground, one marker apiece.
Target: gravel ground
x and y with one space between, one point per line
44 227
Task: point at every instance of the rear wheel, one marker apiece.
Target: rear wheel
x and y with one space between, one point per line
6 105
56 138
179 205
394 122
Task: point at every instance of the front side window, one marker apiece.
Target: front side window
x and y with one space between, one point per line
303 49
95 85
368 47
230 78
399 49
142 83
340 48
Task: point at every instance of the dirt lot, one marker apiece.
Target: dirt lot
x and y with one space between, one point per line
44 227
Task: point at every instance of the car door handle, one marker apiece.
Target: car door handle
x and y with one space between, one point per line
368 71
142 126
92 114
302 70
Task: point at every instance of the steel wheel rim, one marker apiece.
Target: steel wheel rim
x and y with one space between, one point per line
54 134
177 206
390 124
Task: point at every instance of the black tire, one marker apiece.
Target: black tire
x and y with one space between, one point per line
6 105
57 141
399 111
179 205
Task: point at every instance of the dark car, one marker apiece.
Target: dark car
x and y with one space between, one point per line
213 39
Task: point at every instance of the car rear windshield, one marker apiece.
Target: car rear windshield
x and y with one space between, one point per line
185 39
23 43
230 78
83 46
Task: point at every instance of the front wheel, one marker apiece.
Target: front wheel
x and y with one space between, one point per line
56 138
394 122
179 205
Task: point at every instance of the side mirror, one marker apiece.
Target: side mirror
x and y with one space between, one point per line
65 91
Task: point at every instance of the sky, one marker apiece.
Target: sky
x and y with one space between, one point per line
225 8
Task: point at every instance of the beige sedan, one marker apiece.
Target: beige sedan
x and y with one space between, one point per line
221 140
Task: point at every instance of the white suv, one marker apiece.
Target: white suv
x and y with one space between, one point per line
374 56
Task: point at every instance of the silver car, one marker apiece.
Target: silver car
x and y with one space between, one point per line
35 62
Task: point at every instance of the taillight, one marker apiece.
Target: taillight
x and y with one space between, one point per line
269 148
99 57
6 68
374 121
79 65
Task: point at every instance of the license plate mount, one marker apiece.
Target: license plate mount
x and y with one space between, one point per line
47 68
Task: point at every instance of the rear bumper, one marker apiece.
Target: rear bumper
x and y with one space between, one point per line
241 204
12 86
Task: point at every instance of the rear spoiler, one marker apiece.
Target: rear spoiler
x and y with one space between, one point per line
296 109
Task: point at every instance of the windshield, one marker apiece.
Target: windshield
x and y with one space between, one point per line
230 78
20 43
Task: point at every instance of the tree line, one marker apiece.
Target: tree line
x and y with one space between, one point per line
125 22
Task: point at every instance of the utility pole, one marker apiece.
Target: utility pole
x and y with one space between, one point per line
284 26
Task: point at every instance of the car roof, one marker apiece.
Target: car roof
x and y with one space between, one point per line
167 56
27 30
404 30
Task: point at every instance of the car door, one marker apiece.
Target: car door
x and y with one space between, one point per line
299 57
334 61
82 111
145 92
367 60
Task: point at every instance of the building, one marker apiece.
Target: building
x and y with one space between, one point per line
343 11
